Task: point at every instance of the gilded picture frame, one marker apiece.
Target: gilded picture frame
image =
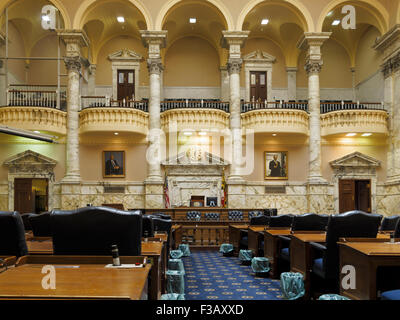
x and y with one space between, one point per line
114 164
276 165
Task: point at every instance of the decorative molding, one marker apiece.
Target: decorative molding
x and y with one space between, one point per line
355 160
73 63
155 66
234 65
259 56
313 66
125 55
344 121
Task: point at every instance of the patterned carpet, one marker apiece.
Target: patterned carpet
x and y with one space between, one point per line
211 276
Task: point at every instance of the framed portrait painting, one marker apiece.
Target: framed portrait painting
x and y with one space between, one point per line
113 164
276 165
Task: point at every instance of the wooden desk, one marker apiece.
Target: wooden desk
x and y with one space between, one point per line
7 261
41 247
300 255
366 257
154 251
89 280
254 237
271 241
234 235
176 235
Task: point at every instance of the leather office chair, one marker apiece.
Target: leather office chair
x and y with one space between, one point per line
255 213
162 215
12 235
235 215
41 225
397 230
148 226
193 215
212 216
282 221
389 223
259 221
351 224
25 219
93 230
164 226
304 222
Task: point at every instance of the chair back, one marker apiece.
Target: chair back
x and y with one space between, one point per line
352 224
41 225
397 230
310 222
212 216
25 219
93 230
259 221
12 235
235 215
389 223
148 226
255 213
193 215
162 215
282 221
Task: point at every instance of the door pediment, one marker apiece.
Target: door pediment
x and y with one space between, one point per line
30 161
354 160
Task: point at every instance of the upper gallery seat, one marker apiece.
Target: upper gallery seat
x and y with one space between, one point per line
12 235
41 226
352 224
93 230
235 215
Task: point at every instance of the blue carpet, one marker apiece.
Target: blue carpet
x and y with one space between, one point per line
211 276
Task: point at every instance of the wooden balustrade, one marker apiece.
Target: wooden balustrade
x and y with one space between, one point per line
205 236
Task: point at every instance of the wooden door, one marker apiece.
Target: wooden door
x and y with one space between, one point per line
24 201
363 195
258 85
126 84
346 195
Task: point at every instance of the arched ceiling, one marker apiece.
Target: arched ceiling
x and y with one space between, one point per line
101 25
285 27
209 23
26 16
366 17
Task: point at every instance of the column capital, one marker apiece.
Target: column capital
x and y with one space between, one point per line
155 66
313 66
234 65
73 63
93 69
74 41
154 41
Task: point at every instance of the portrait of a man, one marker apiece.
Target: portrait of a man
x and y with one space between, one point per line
114 163
276 165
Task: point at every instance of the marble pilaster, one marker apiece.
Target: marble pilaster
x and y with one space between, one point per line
3 78
292 83
92 80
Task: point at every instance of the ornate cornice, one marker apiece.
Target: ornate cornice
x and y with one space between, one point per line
73 63
391 65
155 66
234 65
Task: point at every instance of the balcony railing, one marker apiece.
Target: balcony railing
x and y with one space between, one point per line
343 105
257 105
194 104
36 96
106 102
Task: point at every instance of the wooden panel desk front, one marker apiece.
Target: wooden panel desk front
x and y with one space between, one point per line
234 235
366 257
271 240
77 277
176 235
254 237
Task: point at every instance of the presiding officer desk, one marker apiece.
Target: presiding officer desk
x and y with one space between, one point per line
77 277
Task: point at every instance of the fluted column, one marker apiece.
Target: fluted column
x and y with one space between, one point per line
74 41
389 47
312 42
233 41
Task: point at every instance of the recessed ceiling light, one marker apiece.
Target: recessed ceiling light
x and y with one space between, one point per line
366 134
121 19
202 133
329 14
188 133
351 134
192 20
274 134
335 22
264 21
116 133
36 131
45 18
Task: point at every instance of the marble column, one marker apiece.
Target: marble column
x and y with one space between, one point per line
225 96
292 83
92 80
3 78
154 195
312 42
74 41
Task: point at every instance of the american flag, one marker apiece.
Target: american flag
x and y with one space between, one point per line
223 189
166 192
